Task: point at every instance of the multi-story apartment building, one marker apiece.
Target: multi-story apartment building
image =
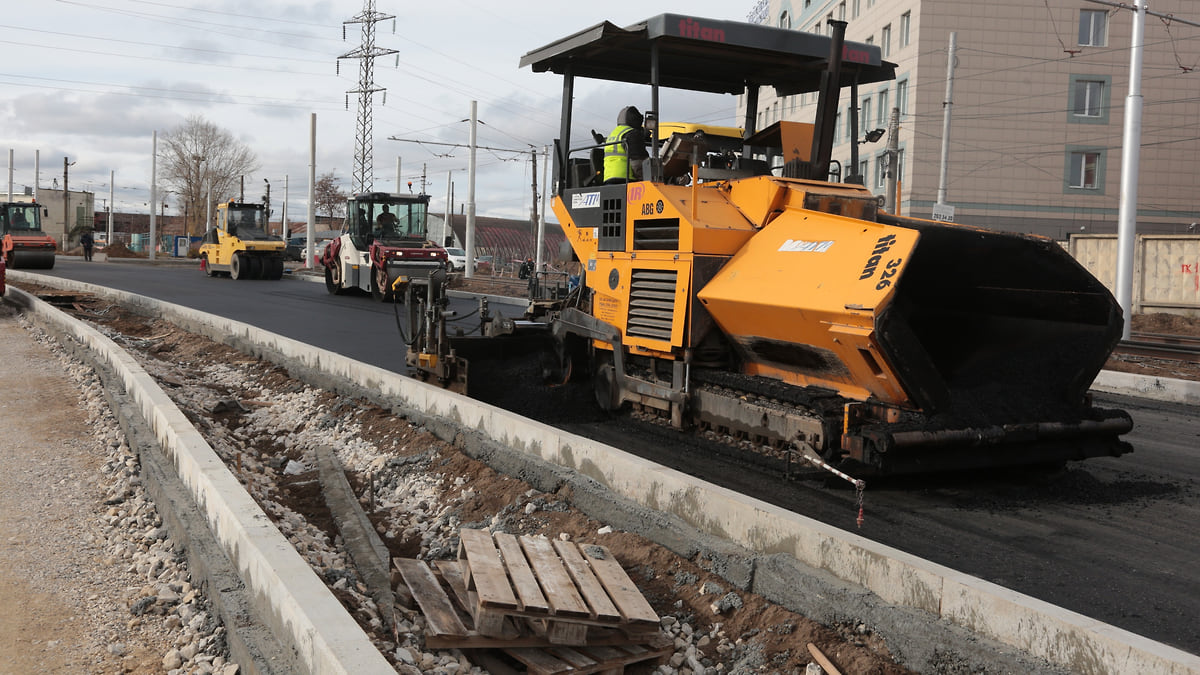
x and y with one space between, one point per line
1037 114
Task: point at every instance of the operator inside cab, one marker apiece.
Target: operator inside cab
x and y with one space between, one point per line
626 148
386 222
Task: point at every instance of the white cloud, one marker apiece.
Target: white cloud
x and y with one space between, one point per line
92 79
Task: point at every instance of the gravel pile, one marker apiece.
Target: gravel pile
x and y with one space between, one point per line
271 432
147 569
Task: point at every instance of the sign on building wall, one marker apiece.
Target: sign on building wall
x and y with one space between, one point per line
943 212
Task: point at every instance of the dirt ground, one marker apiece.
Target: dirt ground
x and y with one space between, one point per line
1166 324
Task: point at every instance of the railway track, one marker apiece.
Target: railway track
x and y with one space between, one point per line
1161 346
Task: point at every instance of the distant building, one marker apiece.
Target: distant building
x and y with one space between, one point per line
59 218
1037 113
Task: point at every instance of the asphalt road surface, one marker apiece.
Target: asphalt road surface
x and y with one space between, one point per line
1114 539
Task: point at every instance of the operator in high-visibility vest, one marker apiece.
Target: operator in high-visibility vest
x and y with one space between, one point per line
625 148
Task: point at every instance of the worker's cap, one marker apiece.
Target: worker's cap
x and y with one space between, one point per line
630 117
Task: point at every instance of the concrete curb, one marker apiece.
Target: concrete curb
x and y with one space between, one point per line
1146 386
301 611
1066 639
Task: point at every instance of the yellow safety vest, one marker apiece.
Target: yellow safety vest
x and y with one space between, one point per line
616 155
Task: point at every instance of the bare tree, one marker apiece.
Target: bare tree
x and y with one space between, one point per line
329 198
198 155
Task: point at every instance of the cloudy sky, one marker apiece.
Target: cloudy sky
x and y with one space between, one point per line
91 80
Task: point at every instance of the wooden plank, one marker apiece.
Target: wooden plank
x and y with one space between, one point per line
577 660
587 583
484 572
596 637
624 593
430 597
540 662
561 593
823 660
451 571
566 633
528 592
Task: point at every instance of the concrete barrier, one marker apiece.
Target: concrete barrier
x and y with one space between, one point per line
300 609
1066 639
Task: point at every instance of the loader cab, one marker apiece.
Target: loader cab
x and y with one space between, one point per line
386 218
20 218
243 220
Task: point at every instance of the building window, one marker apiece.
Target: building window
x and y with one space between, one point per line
902 96
881 163
841 12
837 128
1093 27
1089 95
807 4
866 114
863 167
1088 99
855 8
905 28
885 40
1084 168
785 21
899 168
849 118
885 114
829 24
816 29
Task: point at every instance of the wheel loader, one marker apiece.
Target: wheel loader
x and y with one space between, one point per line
738 291
25 245
239 245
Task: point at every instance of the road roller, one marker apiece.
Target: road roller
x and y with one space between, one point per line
25 244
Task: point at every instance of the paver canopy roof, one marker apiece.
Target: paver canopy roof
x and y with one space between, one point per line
700 54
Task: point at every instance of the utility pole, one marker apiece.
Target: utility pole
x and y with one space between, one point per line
153 193
66 202
310 229
366 53
111 209
287 232
533 211
449 209
893 157
947 103
470 272
541 232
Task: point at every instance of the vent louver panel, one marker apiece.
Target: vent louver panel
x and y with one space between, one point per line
651 304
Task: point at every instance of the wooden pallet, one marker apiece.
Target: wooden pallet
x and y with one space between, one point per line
565 586
555 607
